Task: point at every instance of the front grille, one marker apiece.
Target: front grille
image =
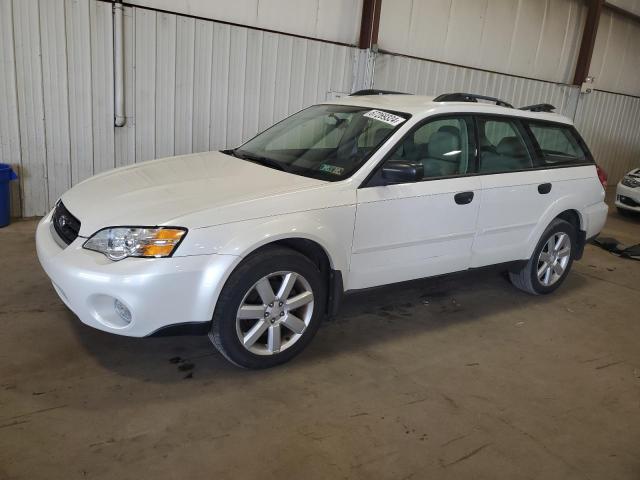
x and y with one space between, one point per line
628 201
65 224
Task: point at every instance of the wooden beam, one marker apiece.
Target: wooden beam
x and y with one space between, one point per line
370 23
622 11
588 40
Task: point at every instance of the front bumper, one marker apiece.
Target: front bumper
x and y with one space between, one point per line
628 198
158 292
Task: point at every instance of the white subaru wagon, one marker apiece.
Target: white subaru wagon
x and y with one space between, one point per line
256 245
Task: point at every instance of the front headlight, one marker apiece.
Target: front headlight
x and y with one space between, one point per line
630 182
122 242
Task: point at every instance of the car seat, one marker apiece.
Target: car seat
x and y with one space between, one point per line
511 154
443 154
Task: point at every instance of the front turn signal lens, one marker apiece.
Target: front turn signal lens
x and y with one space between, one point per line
149 242
162 243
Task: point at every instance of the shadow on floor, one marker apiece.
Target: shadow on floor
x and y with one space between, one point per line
366 318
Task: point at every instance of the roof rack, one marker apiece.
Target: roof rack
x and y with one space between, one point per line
540 107
469 97
372 91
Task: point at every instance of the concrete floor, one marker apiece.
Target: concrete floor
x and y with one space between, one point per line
464 377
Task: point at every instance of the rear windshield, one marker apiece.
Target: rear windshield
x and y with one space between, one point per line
328 142
558 144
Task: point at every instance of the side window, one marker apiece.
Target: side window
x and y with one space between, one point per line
558 144
443 147
502 146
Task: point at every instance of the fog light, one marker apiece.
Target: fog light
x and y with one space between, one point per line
121 309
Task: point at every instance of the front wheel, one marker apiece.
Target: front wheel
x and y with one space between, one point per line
551 260
624 212
269 309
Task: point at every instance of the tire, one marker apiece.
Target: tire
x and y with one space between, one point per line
624 212
272 332
528 280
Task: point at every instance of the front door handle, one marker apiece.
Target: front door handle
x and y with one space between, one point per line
463 198
544 188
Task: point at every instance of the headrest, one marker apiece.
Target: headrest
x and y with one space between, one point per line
450 129
511 146
442 143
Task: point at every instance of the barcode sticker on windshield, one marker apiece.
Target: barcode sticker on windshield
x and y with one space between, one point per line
385 117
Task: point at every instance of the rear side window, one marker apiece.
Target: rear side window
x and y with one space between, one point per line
558 144
502 146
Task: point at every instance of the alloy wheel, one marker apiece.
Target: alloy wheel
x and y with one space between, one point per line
274 313
554 258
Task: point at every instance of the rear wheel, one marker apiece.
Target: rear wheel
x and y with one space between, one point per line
269 309
551 260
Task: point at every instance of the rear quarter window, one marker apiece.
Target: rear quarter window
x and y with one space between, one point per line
558 145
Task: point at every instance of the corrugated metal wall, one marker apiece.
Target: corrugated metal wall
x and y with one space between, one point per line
531 38
9 130
630 5
610 121
191 85
610 124
195 85
333 20
406 74
201 85
616 55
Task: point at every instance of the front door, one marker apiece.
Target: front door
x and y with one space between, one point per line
424 227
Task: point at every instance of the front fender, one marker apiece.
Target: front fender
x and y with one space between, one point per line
331 228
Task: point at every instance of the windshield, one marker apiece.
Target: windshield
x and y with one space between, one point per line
328 142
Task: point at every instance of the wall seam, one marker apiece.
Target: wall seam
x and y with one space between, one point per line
15 91
175 83
91 73
44 115
66 57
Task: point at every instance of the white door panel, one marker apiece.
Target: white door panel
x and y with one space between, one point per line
512 209
413 230
508 215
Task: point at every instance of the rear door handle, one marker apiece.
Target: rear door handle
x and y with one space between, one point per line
544 188
463 198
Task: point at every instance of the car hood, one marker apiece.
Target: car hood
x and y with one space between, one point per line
177 190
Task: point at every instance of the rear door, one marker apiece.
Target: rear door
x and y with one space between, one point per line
422 228
514 194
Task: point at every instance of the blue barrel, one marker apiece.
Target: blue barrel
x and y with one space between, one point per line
6 175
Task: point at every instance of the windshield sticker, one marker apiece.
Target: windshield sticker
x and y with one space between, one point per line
385 117
331 169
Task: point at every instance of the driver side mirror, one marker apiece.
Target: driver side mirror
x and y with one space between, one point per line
398 171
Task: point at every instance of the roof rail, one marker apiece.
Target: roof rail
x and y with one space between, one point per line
540 107
469 97
371 91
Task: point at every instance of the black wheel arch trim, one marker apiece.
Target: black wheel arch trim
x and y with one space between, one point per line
335 294
183 329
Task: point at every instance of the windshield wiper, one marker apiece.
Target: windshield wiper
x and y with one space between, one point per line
264 161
